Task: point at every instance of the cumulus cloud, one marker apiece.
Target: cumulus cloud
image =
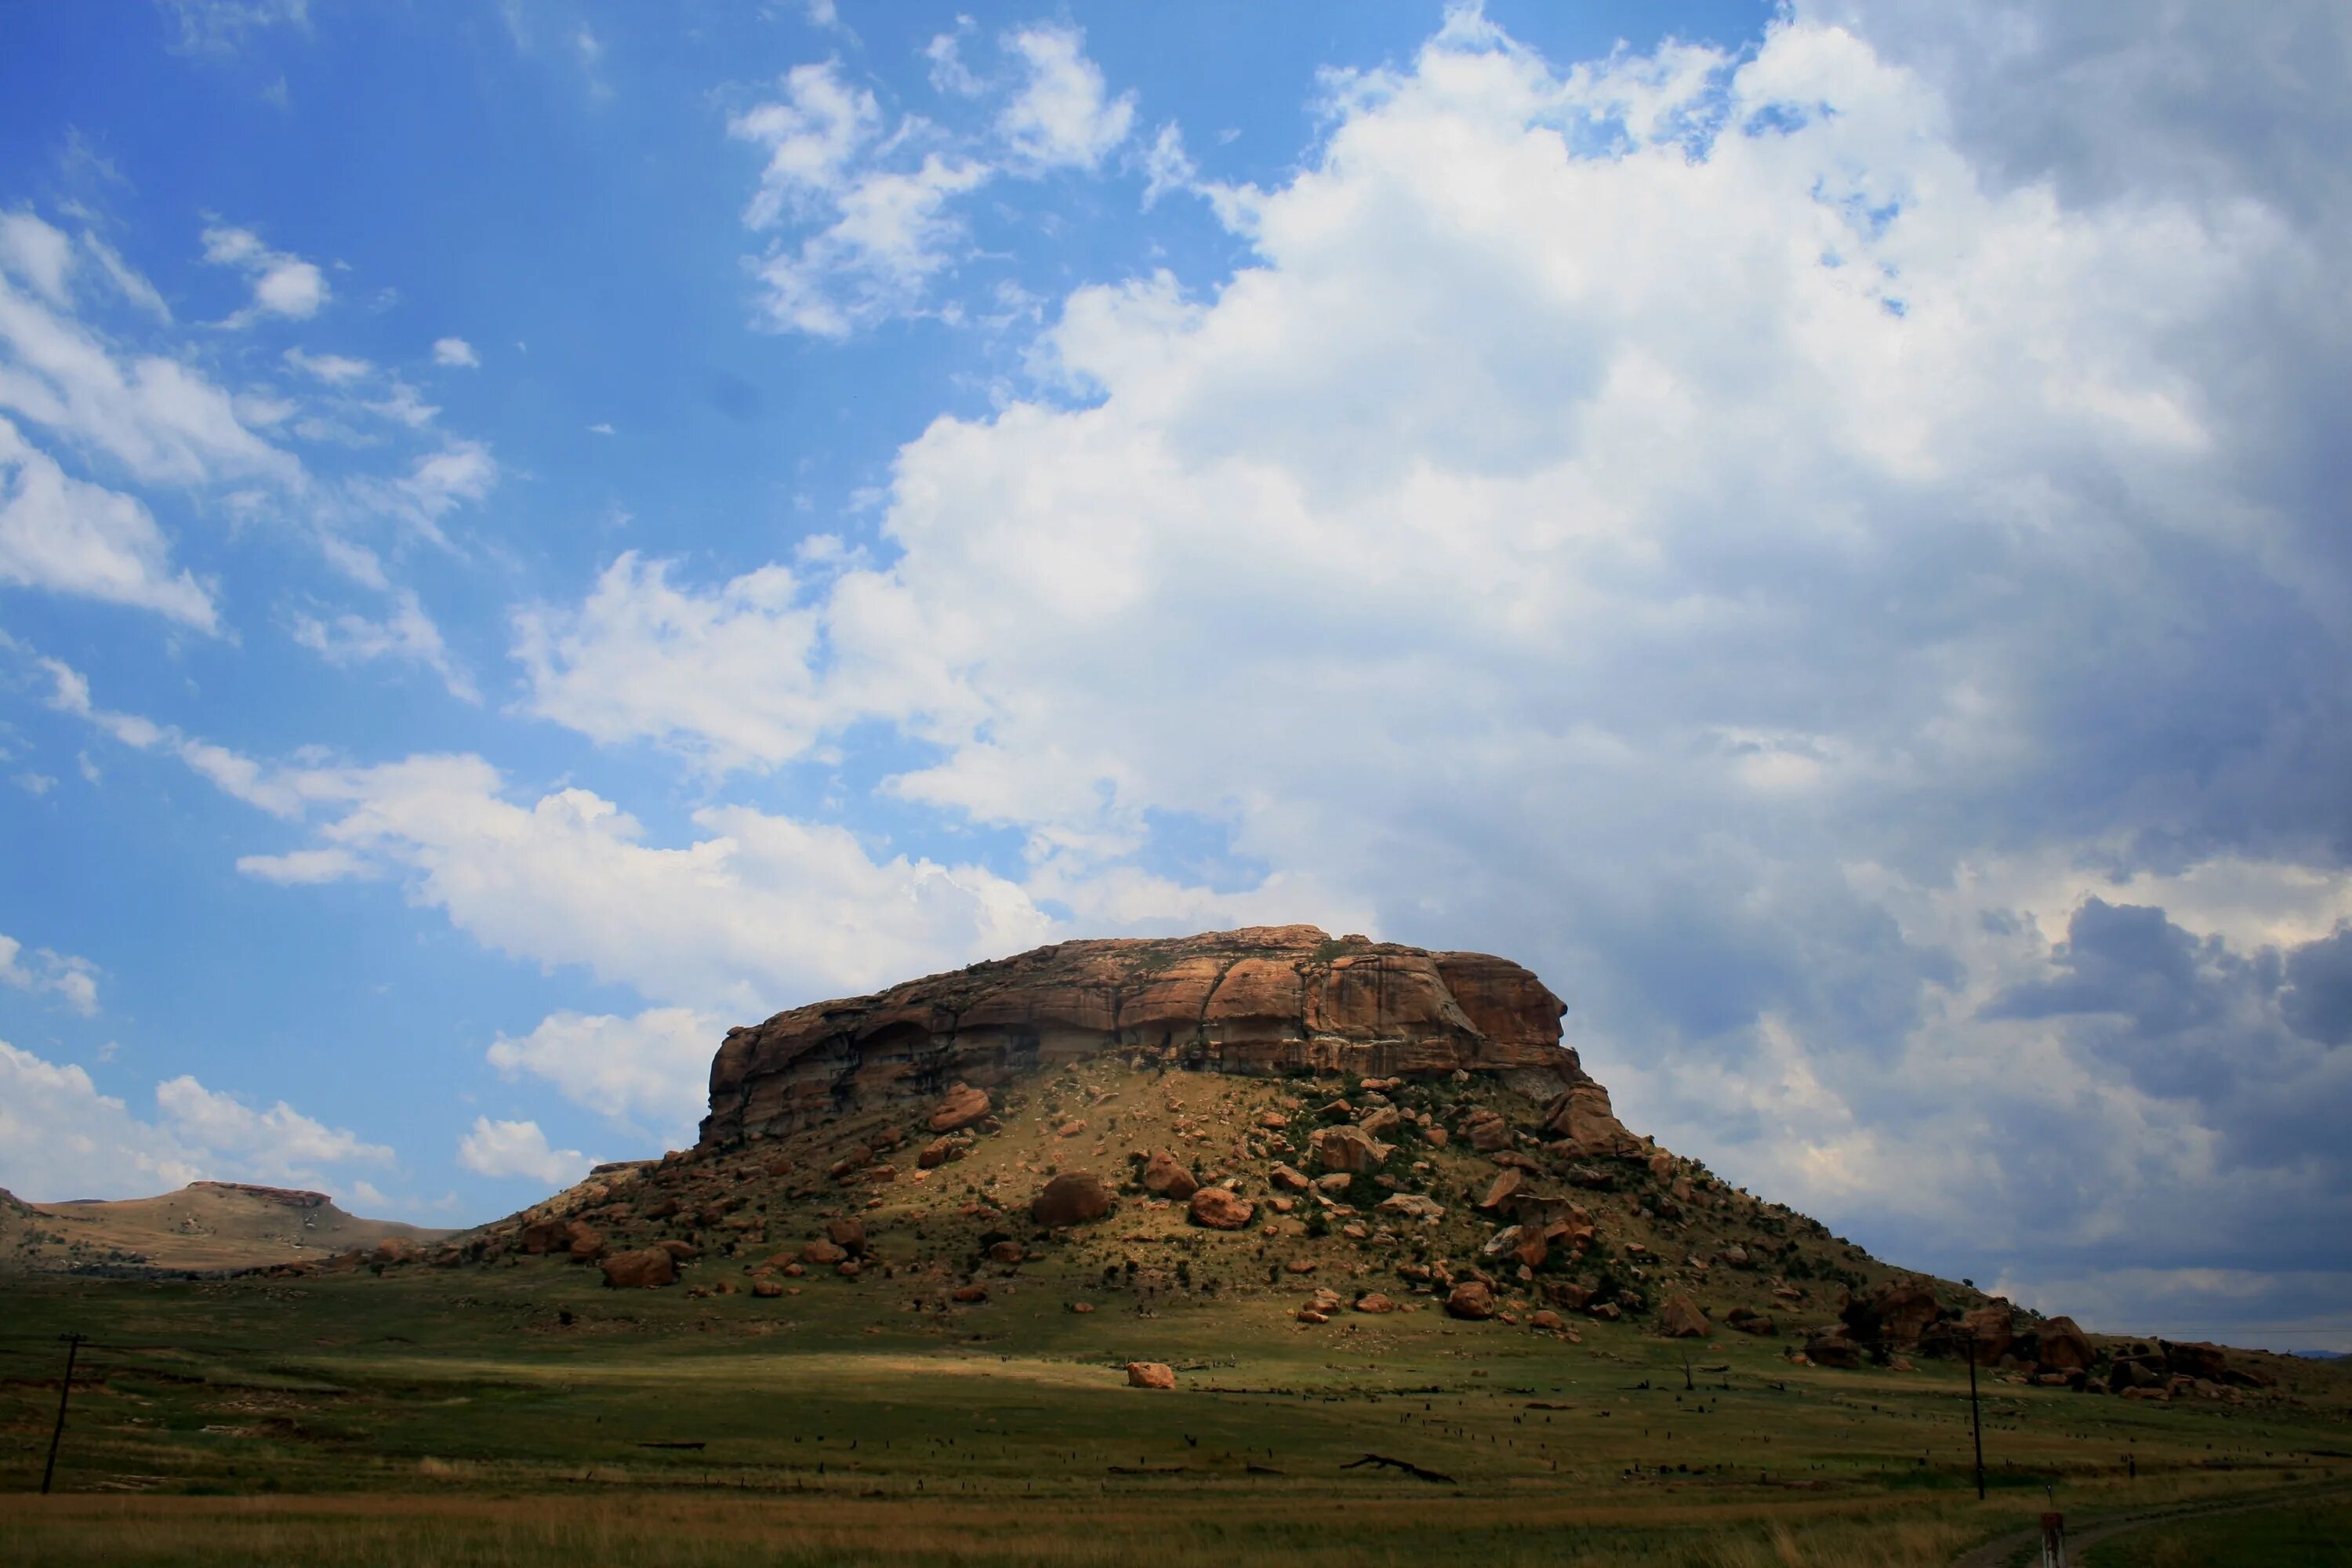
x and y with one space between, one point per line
1062 115
69 536
284 285
60 1137
457 354
1760 536
644 1074
518 1149
73 980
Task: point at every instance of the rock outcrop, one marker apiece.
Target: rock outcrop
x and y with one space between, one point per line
1263 1000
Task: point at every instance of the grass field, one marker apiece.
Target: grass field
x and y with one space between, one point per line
456 1416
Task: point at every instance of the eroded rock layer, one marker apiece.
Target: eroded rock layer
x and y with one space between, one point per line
1263 1000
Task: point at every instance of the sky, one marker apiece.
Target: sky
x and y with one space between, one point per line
533 533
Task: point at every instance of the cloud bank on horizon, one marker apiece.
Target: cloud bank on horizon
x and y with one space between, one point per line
1820 532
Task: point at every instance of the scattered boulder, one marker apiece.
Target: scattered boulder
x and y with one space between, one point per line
1379 1121
938 1153
1748 1322
849 1235
585 1242
1007 1252
1833 1351
1582 1116
1167 1176
545 1236
1150 1374
1072 1197
1347 1148
822 1254
1471 1300
1899 1311
1289 1179
1680 1319
1504 1188
644 1269
1221 1209
1373 1302
1486 1130
1412 1205
767 1288
969 1294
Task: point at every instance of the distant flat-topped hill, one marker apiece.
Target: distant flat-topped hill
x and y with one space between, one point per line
204 1227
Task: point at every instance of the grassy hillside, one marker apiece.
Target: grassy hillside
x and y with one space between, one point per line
206 1226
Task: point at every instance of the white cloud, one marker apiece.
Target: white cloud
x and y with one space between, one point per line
456 353
518 1149
284 284
73 980
948 73
219 27
619 665
162 421
878 211
128 280
643 1073
408 636
1166 166
335 370
305 868
280 1142
1061 117
60 1137
1614 510
36 253
69 536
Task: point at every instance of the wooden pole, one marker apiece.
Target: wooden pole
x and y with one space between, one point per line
64 1392
1976 1416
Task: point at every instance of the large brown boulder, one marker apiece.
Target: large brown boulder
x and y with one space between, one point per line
1898 1313
544 1235
1833 1350
1265 1000
1072 1197
963 1106
1347 1148
585 1242
1504 1188
1582 1115
1222 1208
1471 1300
1680 1319
2064 1347
642 1269
1150 1374
849 1235
1164 1175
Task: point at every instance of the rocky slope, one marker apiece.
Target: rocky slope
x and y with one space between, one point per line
206 1226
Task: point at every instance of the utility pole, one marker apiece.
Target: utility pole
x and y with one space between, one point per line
1976 1416
64 1392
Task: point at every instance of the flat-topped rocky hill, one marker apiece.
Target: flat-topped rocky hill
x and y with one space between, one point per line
1261 1001
205 1226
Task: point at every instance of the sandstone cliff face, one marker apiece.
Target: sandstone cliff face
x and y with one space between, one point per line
1262 1000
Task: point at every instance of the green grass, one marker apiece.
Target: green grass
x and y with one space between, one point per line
2308 1536
452 1416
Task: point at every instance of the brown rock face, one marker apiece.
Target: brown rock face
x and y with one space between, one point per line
1259 1001
1071 1199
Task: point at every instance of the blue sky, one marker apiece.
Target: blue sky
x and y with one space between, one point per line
530 533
